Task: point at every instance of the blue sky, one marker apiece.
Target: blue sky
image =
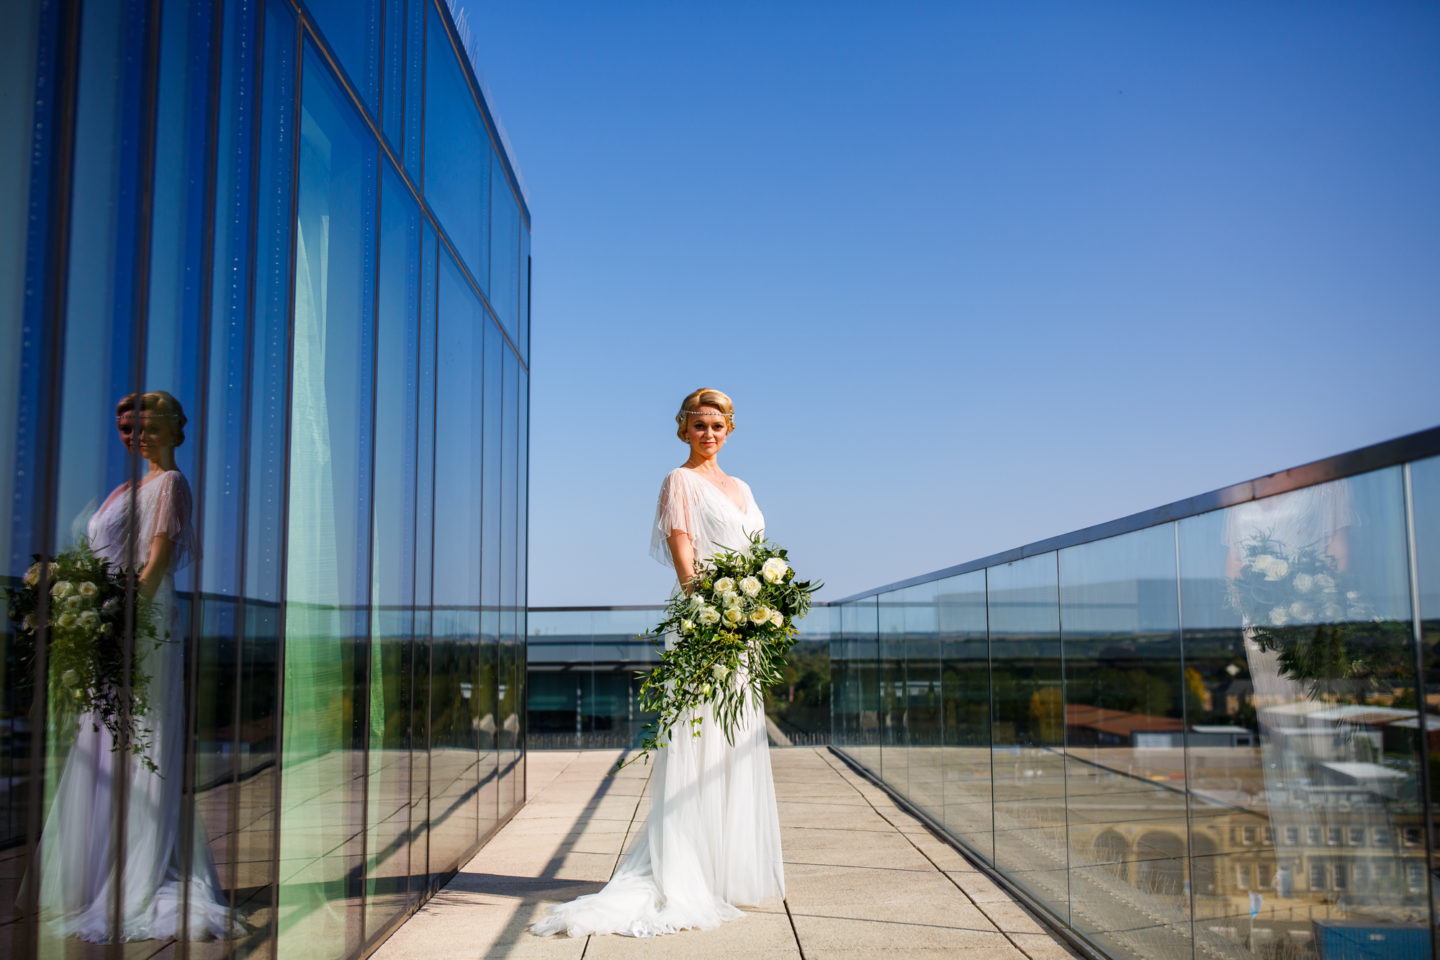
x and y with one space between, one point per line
975 274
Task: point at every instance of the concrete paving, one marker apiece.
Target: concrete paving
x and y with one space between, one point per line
863 878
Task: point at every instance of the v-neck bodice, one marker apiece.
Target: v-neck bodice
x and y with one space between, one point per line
690 503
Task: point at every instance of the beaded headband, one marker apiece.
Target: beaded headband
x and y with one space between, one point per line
704 413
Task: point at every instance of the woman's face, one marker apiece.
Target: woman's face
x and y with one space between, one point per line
155 437
706 432
125 426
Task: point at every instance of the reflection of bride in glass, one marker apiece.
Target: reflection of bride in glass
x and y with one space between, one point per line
148 529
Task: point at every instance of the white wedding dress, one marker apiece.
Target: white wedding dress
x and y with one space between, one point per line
712 840
78 847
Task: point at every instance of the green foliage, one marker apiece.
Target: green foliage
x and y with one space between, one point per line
734 629
85 621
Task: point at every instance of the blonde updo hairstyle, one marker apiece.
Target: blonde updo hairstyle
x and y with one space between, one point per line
705 397
156 403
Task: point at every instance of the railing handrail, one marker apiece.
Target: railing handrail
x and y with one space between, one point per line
1389 453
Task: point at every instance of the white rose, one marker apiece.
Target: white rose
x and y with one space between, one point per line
720 672
32 576
1279 570
74 602
760 615
705 690
686 626
750 587
88 589
724 585
89 620
1261 562
709 616
734 615
1279 616
66 620
774 569
62 588
1302 611
696 601
777 619
1304 583
733 600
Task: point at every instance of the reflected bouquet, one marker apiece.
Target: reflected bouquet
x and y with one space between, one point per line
734 629
85 623
1328 637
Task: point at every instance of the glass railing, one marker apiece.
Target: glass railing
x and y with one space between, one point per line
1207 730
582 688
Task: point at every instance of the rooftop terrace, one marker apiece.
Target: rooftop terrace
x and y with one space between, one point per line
863 877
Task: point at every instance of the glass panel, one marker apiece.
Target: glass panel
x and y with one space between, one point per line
488 676
860 624
393 92
82 838
328 564
524 316
249 451
504 286
965 687
893 700
509 707
26 347
522 466
392 591
1425 513
414 84
351 29
559 663
1125 744
1028 728
455 702
457 153
922 697
1303 759
424 548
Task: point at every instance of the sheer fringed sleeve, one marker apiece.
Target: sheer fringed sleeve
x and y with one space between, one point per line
171 517
673 512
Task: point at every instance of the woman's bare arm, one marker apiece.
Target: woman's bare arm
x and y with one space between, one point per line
161 549
682 552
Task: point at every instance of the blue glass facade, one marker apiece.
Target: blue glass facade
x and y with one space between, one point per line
298 222
1209 731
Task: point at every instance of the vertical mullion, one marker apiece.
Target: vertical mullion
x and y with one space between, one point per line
1064 733
990 678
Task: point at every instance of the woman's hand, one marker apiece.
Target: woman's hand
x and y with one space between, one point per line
682 552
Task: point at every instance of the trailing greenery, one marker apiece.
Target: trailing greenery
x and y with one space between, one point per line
1326 634
85 624
734 625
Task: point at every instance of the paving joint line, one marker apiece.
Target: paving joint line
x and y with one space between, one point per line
1004 933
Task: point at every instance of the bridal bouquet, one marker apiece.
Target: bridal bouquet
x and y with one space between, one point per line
734 629
1300 604
86 627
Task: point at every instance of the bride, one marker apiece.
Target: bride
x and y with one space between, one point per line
713 836
152 524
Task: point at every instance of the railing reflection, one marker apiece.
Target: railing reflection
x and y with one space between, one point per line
1207 730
